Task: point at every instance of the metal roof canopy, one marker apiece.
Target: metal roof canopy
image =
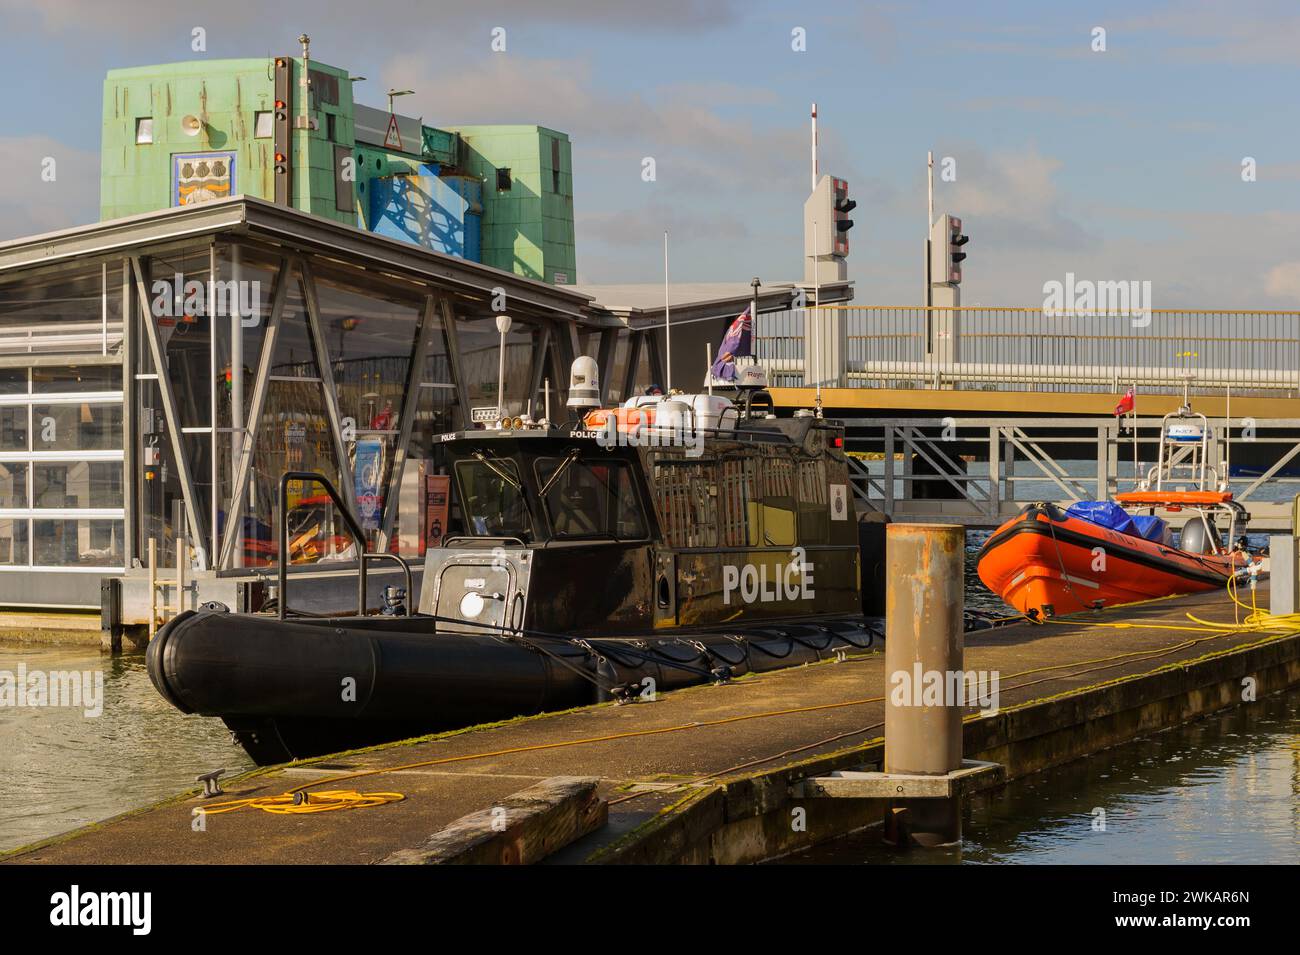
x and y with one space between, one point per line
642 306
246 216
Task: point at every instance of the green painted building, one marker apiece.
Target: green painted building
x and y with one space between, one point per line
527 173
286 129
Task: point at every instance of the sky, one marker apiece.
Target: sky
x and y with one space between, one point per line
1131 162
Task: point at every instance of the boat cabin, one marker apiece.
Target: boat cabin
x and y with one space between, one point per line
670 511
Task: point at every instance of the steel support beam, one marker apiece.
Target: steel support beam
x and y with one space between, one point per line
608 347
173 418
261 385
130 428
453 357
541 356
328 388
633 363
410 407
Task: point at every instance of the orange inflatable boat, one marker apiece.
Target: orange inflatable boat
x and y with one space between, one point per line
1054 562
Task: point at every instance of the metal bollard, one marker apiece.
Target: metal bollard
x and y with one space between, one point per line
923 636
1284 575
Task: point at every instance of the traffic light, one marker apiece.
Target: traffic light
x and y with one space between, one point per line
946 255
282 130
827 209
843 205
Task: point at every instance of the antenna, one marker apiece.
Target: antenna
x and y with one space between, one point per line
929 170
503 327
814 147
668 328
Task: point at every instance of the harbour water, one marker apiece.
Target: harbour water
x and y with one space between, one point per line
60 768
1224 790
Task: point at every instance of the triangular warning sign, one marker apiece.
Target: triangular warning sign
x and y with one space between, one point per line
392 139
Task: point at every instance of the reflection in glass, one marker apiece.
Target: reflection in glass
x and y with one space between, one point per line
13 541
77 427
77 484
74 543
13 484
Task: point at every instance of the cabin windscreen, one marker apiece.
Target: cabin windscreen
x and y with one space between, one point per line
590 499
492 497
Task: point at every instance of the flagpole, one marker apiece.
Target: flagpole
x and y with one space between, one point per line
1227 438
817 319
1136 471
668 333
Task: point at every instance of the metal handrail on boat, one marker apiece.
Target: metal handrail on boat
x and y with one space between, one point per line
358 538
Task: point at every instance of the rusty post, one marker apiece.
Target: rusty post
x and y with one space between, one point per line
923 644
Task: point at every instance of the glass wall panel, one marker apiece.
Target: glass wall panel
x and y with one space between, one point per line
71 308
73 379
13 541
160 493
369 337
77 543
87 436
480 352
14 427
248 277
437 412
77 427
616 374
81 484
13 484
293 434
13 381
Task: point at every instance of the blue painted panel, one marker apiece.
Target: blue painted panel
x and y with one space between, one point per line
427 211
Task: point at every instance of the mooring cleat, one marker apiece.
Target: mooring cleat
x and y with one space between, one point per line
211 783
624 693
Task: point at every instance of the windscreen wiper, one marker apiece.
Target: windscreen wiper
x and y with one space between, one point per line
500 472
573 455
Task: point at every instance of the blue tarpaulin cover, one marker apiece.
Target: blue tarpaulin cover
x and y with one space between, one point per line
1111 515
1153 528
1106 513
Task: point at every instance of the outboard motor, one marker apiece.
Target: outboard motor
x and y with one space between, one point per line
1194 538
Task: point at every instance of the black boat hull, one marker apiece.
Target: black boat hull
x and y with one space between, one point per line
295 689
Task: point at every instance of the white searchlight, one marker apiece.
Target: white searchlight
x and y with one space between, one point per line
584 384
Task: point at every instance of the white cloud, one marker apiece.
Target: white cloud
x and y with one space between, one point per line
1012 199
1283 281
31 205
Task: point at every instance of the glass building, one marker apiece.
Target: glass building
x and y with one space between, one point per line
159 373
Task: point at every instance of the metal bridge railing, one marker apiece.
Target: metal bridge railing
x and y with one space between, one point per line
980 471
1029 349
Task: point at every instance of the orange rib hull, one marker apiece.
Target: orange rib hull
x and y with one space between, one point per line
1053 563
